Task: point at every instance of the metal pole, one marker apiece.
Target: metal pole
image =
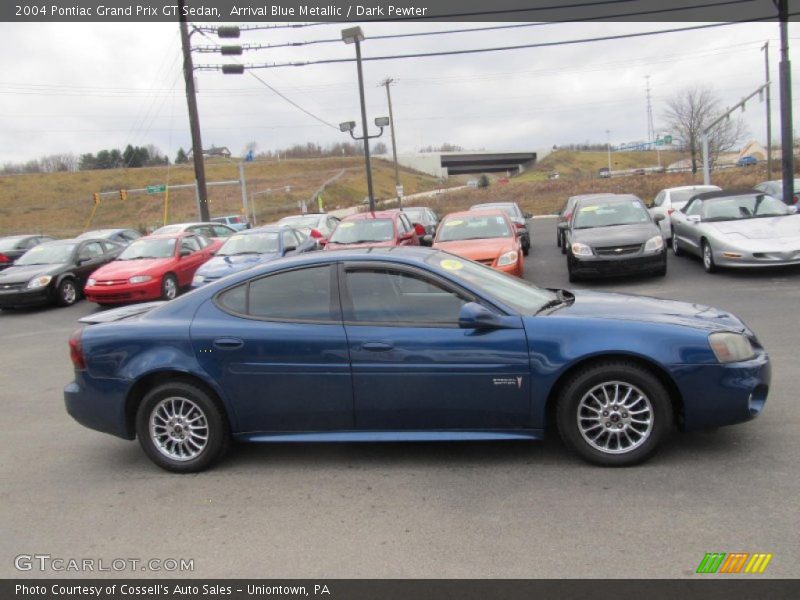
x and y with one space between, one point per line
387 82
364 127
787 139
765 48
194 118
245 208
706 166
608 148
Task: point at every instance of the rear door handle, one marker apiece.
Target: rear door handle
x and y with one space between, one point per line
377 346
228 343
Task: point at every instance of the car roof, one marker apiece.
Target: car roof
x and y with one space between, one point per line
378 214
727 193
610 198
100 232
476 213
498 203
70 241
265 229
166 236
19 236
682 188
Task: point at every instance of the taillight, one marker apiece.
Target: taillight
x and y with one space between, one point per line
567 216
316 234
4 258
670 211
76 349
794 201
519 225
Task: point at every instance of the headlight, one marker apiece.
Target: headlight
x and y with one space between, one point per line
38 282
139 279
509 258
654 244
731 347
198 279
581 249
91 281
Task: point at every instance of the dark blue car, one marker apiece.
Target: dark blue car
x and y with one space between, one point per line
408 344
251 247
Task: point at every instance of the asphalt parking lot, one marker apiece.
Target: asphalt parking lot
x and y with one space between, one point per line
410 510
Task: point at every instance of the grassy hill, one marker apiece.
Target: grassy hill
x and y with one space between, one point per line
61 203
574 164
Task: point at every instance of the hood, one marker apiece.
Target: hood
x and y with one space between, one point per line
622 235
124 269
24 273
485 249
628 307
767 228
335 246
220 266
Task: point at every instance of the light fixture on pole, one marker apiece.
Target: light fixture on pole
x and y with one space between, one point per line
354 35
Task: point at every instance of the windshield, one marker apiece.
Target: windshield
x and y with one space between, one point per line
418 215
47 254
153 248
608 214
751 206
480 227
509 209
300 221
363 231
254 243
10 243
679 198
511 291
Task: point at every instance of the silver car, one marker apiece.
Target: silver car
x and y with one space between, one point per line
669 200
775 188
738 228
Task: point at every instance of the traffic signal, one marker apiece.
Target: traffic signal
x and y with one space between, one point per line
123 194
96 198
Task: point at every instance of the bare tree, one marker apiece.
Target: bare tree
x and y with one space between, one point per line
690 111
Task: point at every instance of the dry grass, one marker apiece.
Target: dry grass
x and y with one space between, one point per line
61 203
572 164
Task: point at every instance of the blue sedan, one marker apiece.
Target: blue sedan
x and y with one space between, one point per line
251 247
407 344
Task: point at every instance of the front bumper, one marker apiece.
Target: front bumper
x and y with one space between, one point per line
718 395
609 266
775 258
120 294
25 297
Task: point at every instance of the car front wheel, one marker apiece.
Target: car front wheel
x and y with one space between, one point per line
67 294
708 258
169 287
180 428
614 413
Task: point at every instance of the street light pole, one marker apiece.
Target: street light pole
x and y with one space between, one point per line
387 82
787 139
765 48
350 36
194 118
608 148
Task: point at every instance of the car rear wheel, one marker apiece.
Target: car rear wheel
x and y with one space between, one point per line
526 247
563 244
169 287
614 413
180 428
708 258
558 239
67 294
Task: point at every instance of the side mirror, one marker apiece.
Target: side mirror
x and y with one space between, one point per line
322 242
82 260
563 225
288 249
659 217
528 215
477 316
427 240
407 235
185 252
419 229
693 219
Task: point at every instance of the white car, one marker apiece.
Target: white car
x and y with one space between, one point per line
319 226
671 199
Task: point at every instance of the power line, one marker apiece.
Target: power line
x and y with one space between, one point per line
338 40
492 49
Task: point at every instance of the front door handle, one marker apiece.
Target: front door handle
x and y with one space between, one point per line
228 343
377 346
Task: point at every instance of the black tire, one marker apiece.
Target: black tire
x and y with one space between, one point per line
526 247
169 287
563 244
558 239
212 424
673 241
573 277
67 292
707 256
624 373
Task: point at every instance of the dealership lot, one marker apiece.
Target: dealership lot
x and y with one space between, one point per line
422 510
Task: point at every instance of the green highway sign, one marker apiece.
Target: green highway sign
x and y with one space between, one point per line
156 189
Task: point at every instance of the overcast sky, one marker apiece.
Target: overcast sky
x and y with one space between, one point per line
84 87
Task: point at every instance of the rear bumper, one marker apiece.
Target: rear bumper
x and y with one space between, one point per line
718 395
100 405
624 265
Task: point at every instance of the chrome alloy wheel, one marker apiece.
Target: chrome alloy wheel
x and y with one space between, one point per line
708 257
170 288
615 417
69 293
179 428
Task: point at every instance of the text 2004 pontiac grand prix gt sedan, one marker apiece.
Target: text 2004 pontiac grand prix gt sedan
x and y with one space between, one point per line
408 344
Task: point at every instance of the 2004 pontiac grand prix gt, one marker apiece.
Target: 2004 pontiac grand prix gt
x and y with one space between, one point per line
407 344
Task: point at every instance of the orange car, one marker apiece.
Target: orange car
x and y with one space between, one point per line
485 236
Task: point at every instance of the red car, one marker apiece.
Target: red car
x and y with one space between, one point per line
381 228
151 268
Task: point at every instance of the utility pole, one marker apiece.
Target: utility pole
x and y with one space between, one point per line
765 48
194 118
787 139
245 207
387 82
608 148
